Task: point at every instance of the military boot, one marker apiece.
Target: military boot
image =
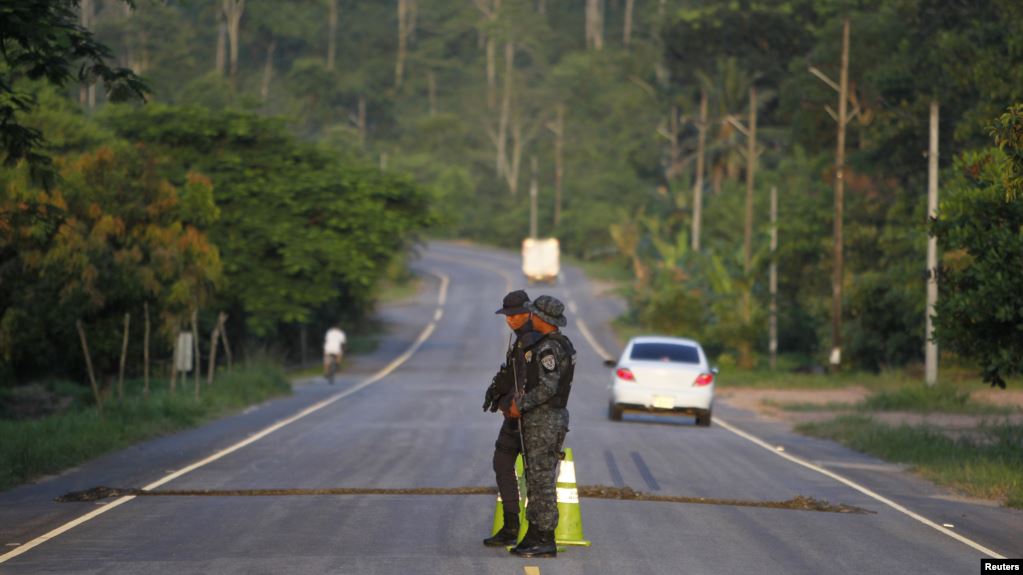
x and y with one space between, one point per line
508 534
542 544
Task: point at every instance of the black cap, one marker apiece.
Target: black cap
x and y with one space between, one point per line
514 303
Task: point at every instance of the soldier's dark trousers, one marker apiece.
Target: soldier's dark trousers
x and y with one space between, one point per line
506 450
544 429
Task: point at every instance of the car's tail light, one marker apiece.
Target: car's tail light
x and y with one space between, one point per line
704 379
625 373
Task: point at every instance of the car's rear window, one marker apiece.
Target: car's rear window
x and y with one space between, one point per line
673 352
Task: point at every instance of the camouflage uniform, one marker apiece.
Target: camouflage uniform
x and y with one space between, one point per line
550 365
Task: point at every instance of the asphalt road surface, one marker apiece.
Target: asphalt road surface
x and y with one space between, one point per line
408 416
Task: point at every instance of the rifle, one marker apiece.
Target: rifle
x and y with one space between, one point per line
515 379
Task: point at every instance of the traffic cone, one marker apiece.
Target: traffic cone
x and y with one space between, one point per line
520 476
570 523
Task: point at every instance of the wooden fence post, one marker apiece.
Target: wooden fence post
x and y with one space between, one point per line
213 352
197 360
223 335
145 354
88 364
124 357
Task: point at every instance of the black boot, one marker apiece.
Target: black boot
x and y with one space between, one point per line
542 544
508 534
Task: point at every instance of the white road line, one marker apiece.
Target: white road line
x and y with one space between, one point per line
442 297
593 342
858 487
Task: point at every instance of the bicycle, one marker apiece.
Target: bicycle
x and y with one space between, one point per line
333 366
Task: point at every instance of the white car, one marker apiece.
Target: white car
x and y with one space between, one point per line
663 375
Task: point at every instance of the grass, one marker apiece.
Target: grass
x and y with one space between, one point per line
943 398
988 463
767 379
35 447
808 406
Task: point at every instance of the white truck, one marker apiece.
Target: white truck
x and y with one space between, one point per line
541 259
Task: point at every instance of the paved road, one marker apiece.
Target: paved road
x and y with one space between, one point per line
409 420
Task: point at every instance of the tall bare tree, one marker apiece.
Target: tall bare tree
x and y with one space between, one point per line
627 32
491 10
506 101
268 69
221 44
233 11
399 64
87 17
595 24
332 17
431 88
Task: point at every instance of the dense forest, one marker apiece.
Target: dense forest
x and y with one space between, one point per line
288 152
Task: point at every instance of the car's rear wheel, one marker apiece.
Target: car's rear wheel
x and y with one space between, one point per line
614 412
703 418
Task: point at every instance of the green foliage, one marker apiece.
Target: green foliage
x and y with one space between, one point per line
42 40
980 229
304 235
113 236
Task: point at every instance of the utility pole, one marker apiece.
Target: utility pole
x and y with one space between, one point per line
558 128
701 143
931 350
751 168
836 282
772 344
842 118
533 192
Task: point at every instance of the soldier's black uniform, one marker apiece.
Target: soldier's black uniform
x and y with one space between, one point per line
509 441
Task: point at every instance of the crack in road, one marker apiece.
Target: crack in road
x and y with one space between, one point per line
799 503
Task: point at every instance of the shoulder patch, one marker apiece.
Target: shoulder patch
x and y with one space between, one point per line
549 361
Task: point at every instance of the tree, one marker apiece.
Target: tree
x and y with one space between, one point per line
304 234
110 238
43 39
980 312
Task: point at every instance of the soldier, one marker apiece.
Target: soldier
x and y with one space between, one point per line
499 396
550 366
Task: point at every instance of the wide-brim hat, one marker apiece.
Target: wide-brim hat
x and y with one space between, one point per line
550 309
514 303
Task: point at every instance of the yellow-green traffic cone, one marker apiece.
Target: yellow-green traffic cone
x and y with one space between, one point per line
499 510
570 522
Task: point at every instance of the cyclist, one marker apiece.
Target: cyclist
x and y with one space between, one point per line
333 349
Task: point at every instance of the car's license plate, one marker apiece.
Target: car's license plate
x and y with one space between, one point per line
664 402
